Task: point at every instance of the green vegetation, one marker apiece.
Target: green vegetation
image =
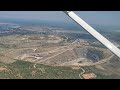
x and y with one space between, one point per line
26 70
107 76
7 46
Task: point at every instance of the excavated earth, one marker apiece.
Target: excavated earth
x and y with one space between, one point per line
51 52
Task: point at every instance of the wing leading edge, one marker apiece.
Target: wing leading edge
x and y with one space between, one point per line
93 32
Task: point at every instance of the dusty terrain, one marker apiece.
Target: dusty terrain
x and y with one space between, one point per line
47 50
58 50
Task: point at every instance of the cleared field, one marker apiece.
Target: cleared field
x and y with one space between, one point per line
46 53
43 50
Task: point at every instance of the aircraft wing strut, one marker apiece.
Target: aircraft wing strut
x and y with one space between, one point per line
94 33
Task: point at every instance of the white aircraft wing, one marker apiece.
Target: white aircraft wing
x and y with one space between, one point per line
94 33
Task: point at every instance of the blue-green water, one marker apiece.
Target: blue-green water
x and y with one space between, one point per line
112 31
69 26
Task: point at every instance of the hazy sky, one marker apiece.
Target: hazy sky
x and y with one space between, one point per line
92 17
